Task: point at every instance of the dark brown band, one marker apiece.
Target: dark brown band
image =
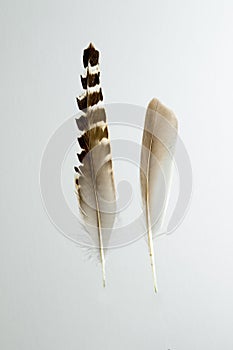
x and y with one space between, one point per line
90 55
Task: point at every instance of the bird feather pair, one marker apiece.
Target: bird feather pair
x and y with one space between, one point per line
94 178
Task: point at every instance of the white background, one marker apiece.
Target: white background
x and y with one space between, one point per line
51 297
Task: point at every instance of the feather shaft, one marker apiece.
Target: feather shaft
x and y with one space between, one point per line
101 248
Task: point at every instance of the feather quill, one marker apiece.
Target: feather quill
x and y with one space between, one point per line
158 144
94 180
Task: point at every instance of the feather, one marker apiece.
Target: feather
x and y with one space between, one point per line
158 144
94 180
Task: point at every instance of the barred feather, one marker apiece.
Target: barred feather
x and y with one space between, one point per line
94 176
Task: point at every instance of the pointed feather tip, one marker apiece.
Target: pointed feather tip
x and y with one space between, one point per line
91 45
156 106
